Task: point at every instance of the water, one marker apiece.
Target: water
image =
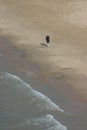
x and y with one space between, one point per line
22 107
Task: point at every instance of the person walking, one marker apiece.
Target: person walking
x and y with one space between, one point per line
47 40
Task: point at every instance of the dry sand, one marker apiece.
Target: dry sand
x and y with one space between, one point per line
28 22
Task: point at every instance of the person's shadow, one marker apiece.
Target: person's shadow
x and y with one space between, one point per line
43 44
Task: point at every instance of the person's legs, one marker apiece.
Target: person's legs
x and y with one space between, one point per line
47 44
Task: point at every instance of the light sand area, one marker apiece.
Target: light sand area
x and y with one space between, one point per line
28 22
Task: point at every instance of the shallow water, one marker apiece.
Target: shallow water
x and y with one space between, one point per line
22 107
25 108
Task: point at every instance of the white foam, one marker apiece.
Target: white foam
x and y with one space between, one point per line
45 102
46 122
36 98
8 76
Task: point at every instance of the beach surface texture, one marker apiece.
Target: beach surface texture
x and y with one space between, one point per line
28 22
24 26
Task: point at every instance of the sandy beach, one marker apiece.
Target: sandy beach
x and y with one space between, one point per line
60 68
27 24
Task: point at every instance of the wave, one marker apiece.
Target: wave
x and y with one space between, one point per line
17 99
46 122
16 95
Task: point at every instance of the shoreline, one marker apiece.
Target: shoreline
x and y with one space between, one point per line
59 71
25 68
13 60
65 59
72 77
39 55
